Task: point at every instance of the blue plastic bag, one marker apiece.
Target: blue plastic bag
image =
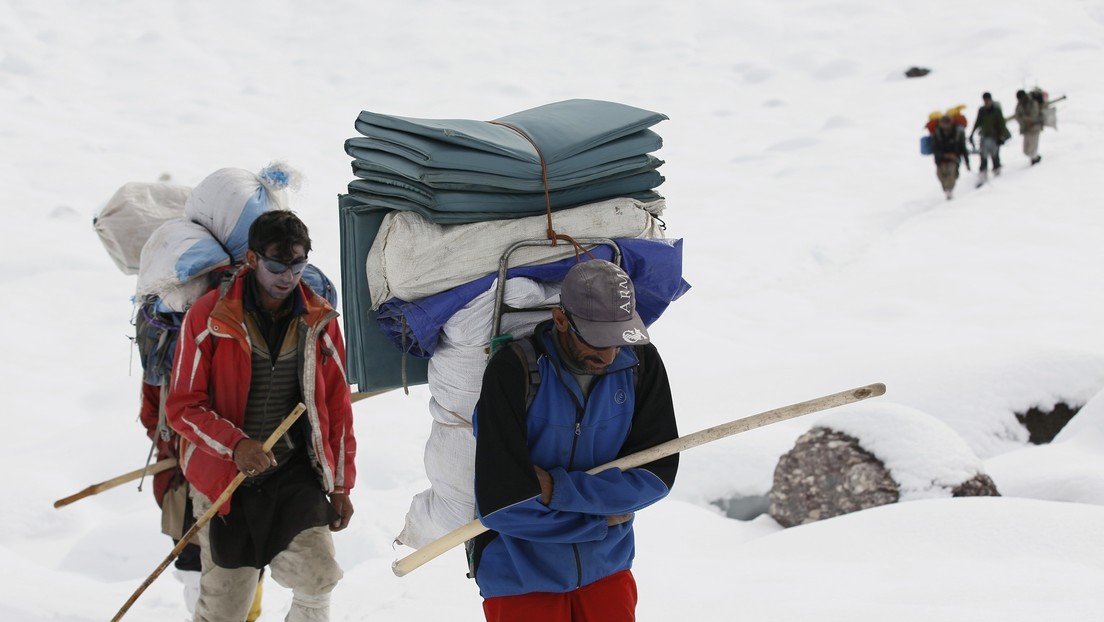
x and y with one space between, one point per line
925 145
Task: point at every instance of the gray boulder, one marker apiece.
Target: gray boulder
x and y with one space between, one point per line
827 474
871 455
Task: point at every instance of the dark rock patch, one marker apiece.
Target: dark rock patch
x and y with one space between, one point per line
1042 426
980 485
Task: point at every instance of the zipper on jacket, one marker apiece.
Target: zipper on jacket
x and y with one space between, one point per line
578 567
575 439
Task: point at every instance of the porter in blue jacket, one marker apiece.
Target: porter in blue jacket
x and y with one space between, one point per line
603 393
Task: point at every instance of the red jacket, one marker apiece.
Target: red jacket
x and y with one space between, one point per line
210 385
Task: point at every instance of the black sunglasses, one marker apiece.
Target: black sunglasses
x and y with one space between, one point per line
278 267
578 335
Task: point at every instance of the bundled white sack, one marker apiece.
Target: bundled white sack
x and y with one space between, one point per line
132 214
228 201
412 258
455 375
456 367
174 261
450 501
214 232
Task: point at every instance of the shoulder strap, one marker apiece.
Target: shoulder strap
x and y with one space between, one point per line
527 352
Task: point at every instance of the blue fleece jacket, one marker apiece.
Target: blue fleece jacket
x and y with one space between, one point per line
567 544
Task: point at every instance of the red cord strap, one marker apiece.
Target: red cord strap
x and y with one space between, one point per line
551 232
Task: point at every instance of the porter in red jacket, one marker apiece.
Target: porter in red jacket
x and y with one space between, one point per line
247 353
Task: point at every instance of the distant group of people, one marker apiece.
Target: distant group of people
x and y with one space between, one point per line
949 142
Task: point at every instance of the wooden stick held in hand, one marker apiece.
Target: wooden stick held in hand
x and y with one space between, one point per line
209 514
95 489
467 532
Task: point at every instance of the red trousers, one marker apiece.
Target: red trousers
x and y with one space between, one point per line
612 599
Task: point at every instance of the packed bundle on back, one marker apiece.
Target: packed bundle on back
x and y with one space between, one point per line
427 229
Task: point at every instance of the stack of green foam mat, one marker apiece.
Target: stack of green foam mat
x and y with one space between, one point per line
454 171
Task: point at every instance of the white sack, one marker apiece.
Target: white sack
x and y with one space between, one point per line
455 376
132 214
227 201
1050 117
456 367
213 233
412 258
174 263
472 323
450 501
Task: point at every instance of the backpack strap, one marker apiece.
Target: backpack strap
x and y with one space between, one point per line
527 352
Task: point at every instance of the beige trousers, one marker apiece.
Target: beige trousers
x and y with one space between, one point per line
307 567
947 172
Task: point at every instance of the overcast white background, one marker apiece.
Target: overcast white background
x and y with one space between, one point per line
820 248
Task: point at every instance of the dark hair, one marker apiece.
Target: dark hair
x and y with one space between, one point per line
1020 94
282 228
987 95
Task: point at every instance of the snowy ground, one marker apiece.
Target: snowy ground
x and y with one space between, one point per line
822 254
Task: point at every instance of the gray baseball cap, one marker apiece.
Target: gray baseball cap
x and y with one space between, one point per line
601 301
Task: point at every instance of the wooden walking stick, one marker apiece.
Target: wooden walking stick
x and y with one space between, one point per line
209 514
467 532
95 489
